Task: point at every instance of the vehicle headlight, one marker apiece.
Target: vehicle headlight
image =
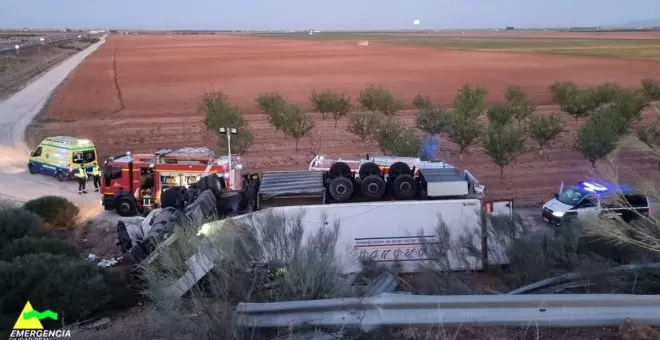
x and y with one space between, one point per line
558 213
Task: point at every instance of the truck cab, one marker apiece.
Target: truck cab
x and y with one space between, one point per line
133 184
593 199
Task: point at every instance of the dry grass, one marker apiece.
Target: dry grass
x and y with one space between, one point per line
616 48
644 232
268 257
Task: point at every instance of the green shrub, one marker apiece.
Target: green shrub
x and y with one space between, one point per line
422 102
378 99
72 288
16 223
31 245
56 211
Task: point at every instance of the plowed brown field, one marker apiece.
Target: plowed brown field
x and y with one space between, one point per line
140 93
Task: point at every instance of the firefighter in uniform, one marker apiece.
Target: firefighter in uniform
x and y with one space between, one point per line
81 175
96 175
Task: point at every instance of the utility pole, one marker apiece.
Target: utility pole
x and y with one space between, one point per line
229 131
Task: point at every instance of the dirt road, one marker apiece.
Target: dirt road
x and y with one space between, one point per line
16 113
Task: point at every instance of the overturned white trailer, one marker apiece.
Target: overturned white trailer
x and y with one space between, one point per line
445 227
446 231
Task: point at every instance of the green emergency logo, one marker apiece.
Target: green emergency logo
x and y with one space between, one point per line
28 325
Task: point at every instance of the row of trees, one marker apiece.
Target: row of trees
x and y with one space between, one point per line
607 111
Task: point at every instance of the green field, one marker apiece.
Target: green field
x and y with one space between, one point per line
619 48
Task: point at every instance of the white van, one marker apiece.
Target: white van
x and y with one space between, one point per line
596 199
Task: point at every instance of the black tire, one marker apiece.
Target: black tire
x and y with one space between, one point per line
173 197
404 187
211 182
60 176
341 189
373 187
368 169
399 168
126 206
31 169
340 169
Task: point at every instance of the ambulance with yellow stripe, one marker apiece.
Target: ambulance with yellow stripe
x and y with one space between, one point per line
59 156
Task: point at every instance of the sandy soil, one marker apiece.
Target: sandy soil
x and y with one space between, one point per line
140 93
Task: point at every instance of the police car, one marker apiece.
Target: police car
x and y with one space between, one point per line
591 199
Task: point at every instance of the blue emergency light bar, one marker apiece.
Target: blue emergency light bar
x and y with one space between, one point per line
593 187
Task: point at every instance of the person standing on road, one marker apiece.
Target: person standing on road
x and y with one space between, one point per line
96 174
81 175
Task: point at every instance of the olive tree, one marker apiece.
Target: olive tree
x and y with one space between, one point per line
651 89
463 131
364 124
577 102
597 138
432 120
500 115
387 132
630 104
606 92
544 129
521 106
377 99
273 104
463 126
471 100
421 102
407 144
296 123
503 143
561 90
327 101
650 135
396 140
220 113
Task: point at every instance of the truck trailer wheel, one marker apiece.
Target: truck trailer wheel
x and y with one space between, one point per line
368 169
341 189
126 206
404 187
399 168
339 169
173 197
373 187
212 182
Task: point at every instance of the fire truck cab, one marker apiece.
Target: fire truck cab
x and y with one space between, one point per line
133 184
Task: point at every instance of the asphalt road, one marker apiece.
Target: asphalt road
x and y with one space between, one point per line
16 113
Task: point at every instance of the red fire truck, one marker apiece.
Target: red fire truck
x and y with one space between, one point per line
132 184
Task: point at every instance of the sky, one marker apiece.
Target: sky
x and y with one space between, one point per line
321 15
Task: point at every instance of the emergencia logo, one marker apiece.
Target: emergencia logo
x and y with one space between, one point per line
28 325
